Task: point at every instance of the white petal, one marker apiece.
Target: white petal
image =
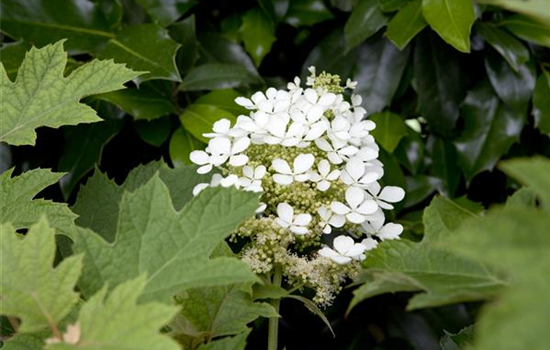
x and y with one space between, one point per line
248 172
327 252
283 179
222 126
390 231
384 205
348 151
356 250
204 169
368 207
301 177
316 131
259 172
339 208
198 188
220 145
392 194
261 208
356 100
324 213
311 96
324 167
354 196
323 145
323 185
341 260
334 158
302 219
355 168
299 230
374 188
356 218
333 175
303 163
327 229
282 223
258 97
315 177
238 160
285 212
243 102
342 244
240 145
315 113
281 166
271 93
327 99
229 181
369 243
216 179
337 220
199 157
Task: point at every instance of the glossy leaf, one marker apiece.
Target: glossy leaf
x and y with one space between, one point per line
182 143
541 102
307 12
513 51
167 11
528 30
199 119
537 10
451 19
444 163
83 147
408 22
514 88
148 223
257 33
224 99
145 47
390 129
32 289
391 5
382 65
491 127
274 9
419 188
218 49
410 150
439 83
57 102
154 132
365 20
183 32
11 56
214 76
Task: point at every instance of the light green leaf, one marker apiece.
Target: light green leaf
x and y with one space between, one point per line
154 132
32 289
26 341
365 20
307 12
41 96
391 5
390 129
408 22
116 321
442 218
199 119
145 47
451 19
537 10
213 76
237 342
18 207
490 128
528 30
148 224
208 313
182 143
513 51
541 102
257 33
224 99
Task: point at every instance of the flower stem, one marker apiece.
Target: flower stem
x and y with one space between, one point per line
273 332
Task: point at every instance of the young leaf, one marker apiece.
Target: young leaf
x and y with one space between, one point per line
365 20
116 321
182 143
32 289
257 33
148 224
42 96
452 20
18 207
408 22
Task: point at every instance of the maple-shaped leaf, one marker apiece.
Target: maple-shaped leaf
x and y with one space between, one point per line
117 322
31 288
42 96
18 207
171 247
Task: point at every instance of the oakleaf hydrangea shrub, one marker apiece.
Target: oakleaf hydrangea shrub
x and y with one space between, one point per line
310 154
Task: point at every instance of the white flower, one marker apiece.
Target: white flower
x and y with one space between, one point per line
384 232
336 153
293 86
252 178
369 243
278 133
355 174
389 194
351 84
218 180
221 149
324 176
285 176
345 250
358 207
222 128
329 219
339 130
296 223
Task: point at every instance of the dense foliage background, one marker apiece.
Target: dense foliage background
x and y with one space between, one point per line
454 87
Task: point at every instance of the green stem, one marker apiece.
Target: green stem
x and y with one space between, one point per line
272 336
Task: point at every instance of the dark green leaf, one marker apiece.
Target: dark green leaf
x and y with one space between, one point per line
182 144
490 128
528 30
198 119
537 10
513 51
274 9
183 32
514 88
83 147
224 99
167 11
390 128
217 49
257 33
408 22
330 56
419 188
439 83
393 174
410 151
151 100
154 132
381 65
237 342
457 341
365 20
444 163
451 19
145 47
307 12
212 76
11 56
391 5
541 102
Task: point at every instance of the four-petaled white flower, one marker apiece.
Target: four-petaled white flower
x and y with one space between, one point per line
345 250
221 149
297 224
252 178
354 174
285 176
389 194
358 207
338 152
384 232
329 219
324 176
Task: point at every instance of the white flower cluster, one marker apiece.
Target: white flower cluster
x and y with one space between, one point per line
333 148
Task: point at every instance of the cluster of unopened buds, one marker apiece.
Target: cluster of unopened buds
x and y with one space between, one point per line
310 155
